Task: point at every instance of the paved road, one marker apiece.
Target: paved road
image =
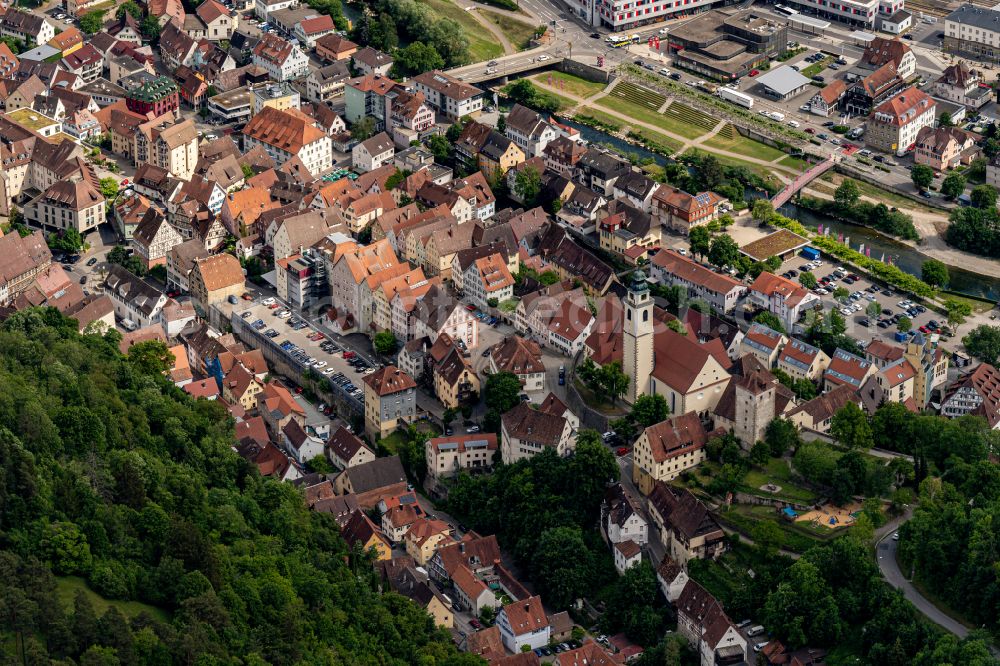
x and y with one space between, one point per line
886 550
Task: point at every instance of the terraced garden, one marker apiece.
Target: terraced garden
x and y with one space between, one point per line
687 121
638 95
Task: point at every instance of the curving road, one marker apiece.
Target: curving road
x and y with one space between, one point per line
886 552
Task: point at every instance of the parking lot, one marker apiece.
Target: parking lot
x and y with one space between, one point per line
308 348
861 325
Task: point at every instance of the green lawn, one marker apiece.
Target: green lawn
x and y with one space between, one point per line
743 145
727 160
393 441
777 472
67 587
816 68
574 85
796 163
518 32
607 119
482 46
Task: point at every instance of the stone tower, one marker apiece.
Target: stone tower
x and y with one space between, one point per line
637 334
755 408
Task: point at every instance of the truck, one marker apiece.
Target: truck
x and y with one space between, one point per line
736 97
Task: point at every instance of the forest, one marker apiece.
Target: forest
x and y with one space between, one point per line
112 474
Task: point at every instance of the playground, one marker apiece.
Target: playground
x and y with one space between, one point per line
827 515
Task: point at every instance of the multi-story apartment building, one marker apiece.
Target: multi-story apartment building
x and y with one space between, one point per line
282 60
168 145
447 456
154 238
894 125
390 399
288 133
21 259
145 93
717 289
973 31
67 204
449 96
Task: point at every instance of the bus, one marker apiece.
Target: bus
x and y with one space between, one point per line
617 41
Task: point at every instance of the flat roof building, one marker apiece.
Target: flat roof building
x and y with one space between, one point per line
782 83
727 44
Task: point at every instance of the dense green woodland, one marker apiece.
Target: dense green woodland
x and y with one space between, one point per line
111 473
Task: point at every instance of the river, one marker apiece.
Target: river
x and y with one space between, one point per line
904 256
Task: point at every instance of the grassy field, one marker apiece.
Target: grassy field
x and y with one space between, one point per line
671 144
482 46
68 586
607 119
518 32
798 537
977 305
816 68
574 85
887 197
743 145
796 163
778 473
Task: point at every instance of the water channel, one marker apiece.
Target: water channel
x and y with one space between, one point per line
904 256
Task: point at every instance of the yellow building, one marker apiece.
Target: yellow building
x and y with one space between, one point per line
498 155
630 236
454 380
424 537
214 279
361 532
241 387
666 449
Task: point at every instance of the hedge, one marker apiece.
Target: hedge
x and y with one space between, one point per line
886 272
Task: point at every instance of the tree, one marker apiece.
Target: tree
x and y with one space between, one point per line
363 129
613 380
944 120
873 309
802 609
700 240
934 273
953 185
850 427
650 409
385 343
109 186
767 536
781 436
847 194
69 240
528 185
415 58
922 176
804 389
761 210
841 293
904 324
760 453
957 311
120 255
984 196
555 568
151 28
724 251
770 320
502 123
983 342
808 280
92 21
710 172
130 7
440 148
502 392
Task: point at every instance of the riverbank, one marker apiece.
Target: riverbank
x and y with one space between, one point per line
931 227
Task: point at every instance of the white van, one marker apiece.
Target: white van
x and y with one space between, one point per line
129 325
755 630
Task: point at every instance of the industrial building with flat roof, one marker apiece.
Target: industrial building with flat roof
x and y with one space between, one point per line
726 44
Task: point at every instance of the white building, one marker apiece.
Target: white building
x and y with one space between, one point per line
373 153
282 60
448 95
524 623
894 124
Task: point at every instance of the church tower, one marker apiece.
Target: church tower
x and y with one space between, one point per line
637 337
